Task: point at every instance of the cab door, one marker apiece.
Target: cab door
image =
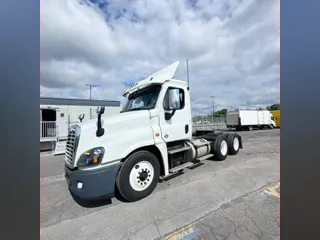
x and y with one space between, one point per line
175 124
62 122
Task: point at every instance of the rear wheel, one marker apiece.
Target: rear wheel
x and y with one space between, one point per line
220 148
233 144
250 128
138 176
271 126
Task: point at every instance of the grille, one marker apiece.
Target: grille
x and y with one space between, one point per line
72 144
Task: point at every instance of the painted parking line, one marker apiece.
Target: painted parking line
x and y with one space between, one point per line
191 232
186 233
272 190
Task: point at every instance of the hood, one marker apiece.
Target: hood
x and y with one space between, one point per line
116 119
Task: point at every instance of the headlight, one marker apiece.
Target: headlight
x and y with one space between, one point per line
91 157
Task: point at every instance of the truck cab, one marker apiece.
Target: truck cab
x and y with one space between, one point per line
150 138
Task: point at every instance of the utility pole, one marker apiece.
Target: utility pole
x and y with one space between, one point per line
90 88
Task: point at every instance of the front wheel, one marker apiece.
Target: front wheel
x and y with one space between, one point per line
138 176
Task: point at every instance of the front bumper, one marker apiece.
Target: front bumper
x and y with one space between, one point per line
96 183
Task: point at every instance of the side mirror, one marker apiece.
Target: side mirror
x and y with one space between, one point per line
173 102
100 130
81 117
100 110
173 99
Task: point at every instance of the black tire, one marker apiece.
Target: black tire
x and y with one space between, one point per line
217 153
233 148
250 128
271 126
123 183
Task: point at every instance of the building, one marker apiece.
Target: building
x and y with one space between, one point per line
57 114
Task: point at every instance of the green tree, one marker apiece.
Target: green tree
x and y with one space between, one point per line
222 112
274 107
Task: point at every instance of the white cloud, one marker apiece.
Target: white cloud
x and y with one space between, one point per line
232 47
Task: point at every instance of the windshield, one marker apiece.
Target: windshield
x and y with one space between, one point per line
142 100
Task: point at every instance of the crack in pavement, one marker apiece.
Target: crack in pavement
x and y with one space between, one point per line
236 225
136 231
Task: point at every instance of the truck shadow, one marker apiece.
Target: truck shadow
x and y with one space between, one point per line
95 203
91 203
212 159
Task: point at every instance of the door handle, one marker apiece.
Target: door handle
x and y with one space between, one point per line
186 128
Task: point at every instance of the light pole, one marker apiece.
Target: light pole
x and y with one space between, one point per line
187 64
212 97
90 88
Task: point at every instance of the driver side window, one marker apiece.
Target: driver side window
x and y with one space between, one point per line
181 100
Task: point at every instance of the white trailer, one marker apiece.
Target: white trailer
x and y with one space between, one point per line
249 119
150 139
53 122
57 114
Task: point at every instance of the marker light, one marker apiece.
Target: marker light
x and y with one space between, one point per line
79 185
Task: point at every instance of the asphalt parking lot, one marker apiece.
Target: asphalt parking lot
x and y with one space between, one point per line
234 199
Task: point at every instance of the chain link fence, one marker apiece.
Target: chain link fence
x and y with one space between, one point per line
214 120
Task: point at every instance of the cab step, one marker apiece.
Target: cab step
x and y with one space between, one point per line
173 151
180 167
205 157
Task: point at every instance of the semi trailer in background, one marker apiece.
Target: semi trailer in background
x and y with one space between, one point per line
150 139
249 119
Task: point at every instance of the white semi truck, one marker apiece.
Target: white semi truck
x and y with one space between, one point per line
249 119
149 140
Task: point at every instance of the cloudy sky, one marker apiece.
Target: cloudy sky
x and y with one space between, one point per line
232 47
